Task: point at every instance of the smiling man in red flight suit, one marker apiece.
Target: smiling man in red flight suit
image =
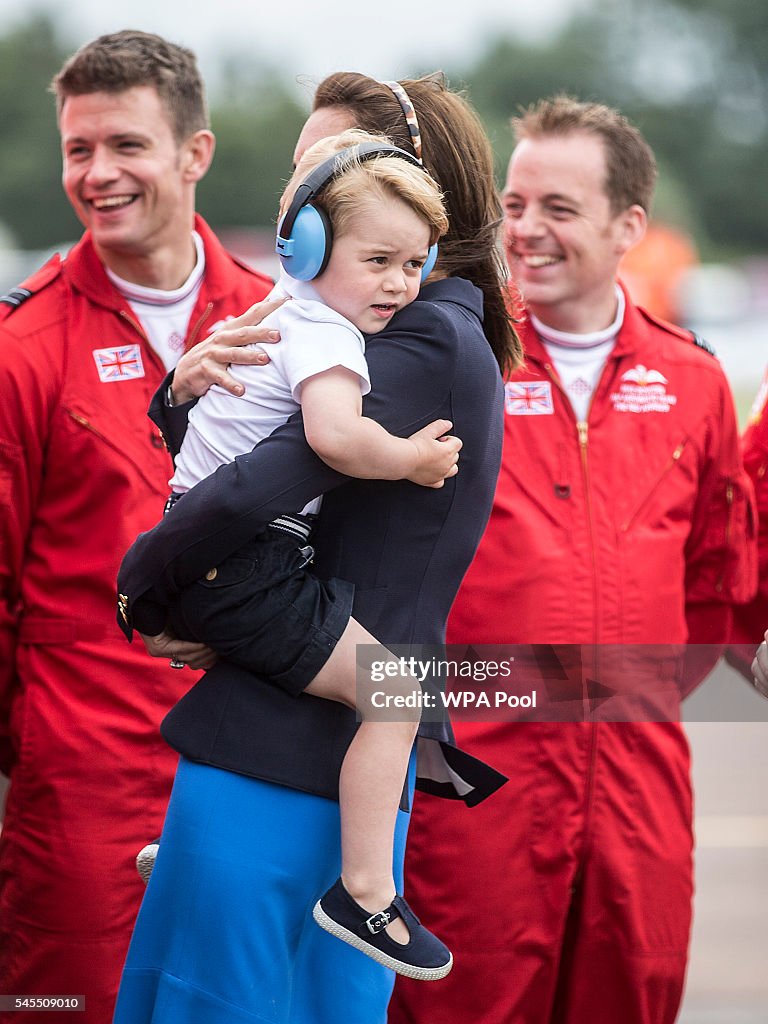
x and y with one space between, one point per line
83 346
620 518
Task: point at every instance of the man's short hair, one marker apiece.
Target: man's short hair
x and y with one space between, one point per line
124 60
630 163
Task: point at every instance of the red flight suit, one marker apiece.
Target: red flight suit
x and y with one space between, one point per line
750 620
82 471
566 897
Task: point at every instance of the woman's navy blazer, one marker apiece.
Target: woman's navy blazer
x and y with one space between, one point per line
404 547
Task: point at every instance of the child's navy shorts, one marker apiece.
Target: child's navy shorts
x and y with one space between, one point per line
262 610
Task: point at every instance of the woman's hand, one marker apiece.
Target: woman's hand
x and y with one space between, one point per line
207 362
180 653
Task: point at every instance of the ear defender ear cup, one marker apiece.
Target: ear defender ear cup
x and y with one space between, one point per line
305 255
304 234
429 263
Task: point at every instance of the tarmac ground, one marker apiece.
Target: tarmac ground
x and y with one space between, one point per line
727 973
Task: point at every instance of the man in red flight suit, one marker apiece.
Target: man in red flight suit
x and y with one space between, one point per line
84 344
620 519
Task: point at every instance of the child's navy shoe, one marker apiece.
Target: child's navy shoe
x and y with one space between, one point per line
145 859
423 957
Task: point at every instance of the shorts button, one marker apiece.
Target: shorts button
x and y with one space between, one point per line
212 574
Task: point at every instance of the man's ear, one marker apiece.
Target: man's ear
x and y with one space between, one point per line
632 224
197 153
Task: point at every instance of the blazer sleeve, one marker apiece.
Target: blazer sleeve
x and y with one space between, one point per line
171 419
411 370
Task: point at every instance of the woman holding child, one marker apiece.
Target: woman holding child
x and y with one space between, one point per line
252 837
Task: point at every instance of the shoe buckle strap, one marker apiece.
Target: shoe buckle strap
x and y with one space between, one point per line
403 909
378 922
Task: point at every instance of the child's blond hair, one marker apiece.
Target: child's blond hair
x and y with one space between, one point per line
358 182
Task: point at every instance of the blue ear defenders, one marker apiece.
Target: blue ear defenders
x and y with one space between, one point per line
304 234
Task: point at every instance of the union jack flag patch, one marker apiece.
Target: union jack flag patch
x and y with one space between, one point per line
528 398
120 363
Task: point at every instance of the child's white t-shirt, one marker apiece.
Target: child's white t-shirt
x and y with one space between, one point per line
314 338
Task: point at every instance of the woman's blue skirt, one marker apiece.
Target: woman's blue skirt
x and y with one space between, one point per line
225 933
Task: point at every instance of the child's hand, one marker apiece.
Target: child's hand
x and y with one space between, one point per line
438 454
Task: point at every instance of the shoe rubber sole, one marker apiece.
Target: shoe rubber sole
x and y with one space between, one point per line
145 861
406 969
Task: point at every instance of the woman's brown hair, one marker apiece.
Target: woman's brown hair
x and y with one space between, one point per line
458 155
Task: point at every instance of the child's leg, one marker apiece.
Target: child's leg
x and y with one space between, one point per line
372 775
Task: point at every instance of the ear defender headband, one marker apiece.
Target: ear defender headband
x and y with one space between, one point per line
304 234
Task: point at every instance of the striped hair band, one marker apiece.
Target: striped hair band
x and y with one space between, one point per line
409 112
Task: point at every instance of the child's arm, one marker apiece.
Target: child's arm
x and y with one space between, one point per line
352 444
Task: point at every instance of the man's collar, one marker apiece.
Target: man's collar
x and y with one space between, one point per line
626 342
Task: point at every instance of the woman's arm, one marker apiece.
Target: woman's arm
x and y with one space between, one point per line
220 514
411 370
